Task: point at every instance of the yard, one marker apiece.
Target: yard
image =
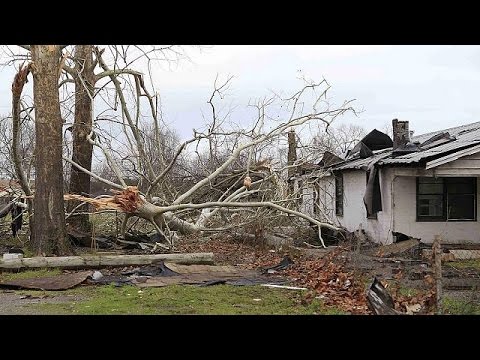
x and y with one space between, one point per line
336 279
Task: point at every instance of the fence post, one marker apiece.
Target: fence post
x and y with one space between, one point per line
437 261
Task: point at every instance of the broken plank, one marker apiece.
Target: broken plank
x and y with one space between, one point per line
461 284
397 248
195 269
89 261
465 254
284 287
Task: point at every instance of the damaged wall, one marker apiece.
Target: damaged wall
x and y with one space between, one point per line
320 190
404 219
326 198
355 214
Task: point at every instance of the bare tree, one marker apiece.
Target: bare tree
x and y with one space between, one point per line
82 73
84 79
338 139
25 148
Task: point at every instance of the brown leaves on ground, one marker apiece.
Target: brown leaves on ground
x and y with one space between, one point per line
326 278
406 299
330 281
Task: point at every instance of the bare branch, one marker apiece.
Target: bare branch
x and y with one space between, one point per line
109 159
116 72
95 176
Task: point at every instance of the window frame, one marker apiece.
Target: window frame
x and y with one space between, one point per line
444 216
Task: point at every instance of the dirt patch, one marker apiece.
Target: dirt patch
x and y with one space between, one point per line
17 303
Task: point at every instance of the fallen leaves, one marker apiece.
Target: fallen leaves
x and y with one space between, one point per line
328 280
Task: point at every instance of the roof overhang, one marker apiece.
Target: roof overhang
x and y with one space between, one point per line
452 157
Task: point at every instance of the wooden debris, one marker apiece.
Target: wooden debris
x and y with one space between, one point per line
428 255
379 300
284 287
461 284
465 254
453 255
397 248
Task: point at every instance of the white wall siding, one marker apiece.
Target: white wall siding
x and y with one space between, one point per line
405 218
354 212
398 187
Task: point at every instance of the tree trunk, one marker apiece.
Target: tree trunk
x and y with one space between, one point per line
291 158
49 232
95 261
82 149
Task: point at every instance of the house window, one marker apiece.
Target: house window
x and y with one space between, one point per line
446 199
339 195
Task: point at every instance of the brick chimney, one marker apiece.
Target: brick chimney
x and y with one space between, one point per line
401 134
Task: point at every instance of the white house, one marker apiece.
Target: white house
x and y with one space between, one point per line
417 187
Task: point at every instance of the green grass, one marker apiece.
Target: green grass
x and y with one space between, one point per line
177 299
406 291
464 264
460 307
29 274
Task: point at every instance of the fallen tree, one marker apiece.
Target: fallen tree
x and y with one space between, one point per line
95 261
166 208
226 173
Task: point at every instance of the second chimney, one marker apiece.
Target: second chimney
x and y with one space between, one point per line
401 134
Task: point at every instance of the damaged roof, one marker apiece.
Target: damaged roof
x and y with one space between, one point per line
435 144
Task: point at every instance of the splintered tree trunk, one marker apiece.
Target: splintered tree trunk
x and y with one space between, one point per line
50 234
82 149
291 158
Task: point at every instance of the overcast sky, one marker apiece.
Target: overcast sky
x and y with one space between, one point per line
434 87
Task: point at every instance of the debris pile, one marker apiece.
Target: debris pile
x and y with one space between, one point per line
421 302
